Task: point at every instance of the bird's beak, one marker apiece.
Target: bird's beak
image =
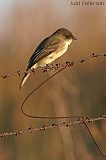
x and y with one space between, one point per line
74 38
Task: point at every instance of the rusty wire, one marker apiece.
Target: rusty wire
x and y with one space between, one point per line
54 125
81 120
54 67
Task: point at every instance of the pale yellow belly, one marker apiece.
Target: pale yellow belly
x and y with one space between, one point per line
52 57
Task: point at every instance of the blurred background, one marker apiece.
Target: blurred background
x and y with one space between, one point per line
77 91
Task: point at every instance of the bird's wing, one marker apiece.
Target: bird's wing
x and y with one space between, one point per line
47 46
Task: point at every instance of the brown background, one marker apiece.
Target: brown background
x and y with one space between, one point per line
77 91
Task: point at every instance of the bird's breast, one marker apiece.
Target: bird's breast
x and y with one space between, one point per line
54 55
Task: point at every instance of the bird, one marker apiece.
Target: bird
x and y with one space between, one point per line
49 50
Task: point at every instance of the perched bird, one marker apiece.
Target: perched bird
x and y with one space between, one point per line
49 50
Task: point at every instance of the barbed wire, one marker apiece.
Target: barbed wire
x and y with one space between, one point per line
81 120
54 125
54 67
63 66
49 68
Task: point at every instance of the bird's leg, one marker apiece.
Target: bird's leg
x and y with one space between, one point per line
57 65
32 70
48 67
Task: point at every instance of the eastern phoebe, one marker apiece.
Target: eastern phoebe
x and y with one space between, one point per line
49 50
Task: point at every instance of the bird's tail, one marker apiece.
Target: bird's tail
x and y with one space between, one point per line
24 80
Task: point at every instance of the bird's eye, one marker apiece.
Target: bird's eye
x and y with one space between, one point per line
68 36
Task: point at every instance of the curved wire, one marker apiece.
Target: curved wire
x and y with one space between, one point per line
31 116
57 117
102 154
